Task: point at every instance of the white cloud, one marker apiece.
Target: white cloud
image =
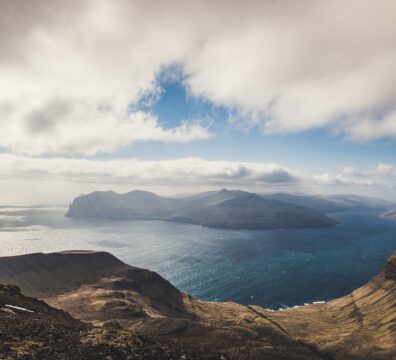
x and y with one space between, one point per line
291 66
382 171
73 88
372 128
185 171
383 175
340 180
70 70
386 170
58 179
134 171
75 128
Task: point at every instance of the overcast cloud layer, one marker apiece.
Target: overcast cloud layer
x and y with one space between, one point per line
72 74
193 171
185 171
71 71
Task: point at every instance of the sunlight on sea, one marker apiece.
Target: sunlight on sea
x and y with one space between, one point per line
272 268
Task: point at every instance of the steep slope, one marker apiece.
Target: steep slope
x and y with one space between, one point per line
361 325
228 209
97 275
144 302
356 326
250 211
133 205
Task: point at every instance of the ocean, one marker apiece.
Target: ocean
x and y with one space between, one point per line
270 268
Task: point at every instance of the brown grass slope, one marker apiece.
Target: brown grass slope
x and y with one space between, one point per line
98 288
32 330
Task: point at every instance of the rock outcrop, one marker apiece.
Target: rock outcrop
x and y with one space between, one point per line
98 289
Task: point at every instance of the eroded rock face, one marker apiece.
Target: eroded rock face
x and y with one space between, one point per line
99 289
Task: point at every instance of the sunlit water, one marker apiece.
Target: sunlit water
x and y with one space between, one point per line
272 268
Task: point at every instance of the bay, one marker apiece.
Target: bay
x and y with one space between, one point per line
271 268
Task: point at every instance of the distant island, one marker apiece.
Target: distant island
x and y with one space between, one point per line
335 203
228 209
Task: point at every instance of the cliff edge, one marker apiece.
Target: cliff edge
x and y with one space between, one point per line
98 289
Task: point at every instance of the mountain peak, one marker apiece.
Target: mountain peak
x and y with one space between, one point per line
143 192
224 191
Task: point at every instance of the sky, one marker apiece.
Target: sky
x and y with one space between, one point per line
177 97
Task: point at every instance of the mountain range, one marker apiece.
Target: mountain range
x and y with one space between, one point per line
232 209
334 203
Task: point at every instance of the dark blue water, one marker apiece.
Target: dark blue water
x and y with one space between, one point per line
272 268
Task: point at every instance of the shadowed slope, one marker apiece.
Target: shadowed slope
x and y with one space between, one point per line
250 211
132 205
96 285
